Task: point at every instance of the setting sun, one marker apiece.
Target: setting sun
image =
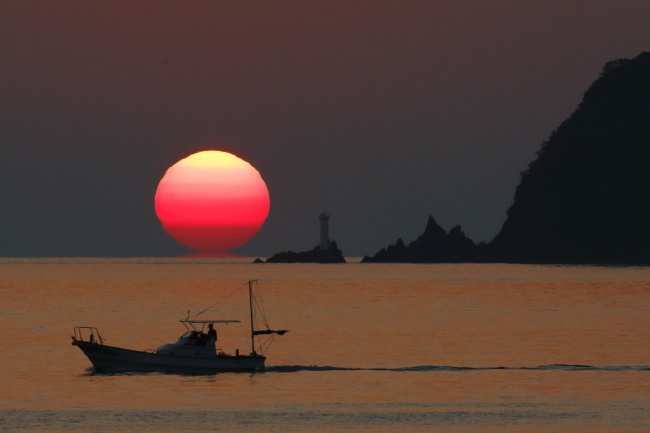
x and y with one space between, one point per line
212 202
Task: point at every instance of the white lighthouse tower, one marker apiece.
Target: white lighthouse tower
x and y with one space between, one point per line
324 231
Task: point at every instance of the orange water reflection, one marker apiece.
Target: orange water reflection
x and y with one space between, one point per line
349 316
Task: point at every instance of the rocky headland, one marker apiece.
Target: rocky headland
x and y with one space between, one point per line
585 199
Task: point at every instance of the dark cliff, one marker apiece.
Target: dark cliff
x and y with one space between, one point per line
586 198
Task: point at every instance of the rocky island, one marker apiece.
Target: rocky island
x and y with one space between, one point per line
432 246
326 252
316 255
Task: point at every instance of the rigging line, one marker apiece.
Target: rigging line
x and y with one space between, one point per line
259 307
220 300
265 346
255 307
263 310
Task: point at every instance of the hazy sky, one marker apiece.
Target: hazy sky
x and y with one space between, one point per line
379 112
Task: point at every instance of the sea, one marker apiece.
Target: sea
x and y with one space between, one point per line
370 348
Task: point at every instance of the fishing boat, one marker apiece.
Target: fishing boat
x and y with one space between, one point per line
195 352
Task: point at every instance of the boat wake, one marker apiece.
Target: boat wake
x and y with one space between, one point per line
428 368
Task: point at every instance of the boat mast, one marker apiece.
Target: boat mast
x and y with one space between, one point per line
250 303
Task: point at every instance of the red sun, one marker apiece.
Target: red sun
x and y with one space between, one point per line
212 202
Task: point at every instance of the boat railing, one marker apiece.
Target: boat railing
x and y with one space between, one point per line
87 333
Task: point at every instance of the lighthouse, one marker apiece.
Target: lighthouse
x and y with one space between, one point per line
324 231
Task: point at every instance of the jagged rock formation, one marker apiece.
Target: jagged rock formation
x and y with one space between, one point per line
432 246
586 198
316 255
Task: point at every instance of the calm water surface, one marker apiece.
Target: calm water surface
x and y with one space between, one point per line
410 348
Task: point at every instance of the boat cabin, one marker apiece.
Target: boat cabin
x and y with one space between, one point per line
196 341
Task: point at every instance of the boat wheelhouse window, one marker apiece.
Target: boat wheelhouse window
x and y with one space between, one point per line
195 338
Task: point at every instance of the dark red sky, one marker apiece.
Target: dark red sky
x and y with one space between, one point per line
379 112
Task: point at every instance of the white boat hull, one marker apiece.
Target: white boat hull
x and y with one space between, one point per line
109 359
